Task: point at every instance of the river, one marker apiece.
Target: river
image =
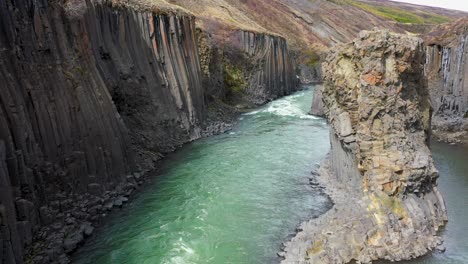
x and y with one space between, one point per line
234 198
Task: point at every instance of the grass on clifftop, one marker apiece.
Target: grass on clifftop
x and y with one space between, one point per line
396 14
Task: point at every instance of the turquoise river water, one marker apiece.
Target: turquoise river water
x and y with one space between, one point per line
234 198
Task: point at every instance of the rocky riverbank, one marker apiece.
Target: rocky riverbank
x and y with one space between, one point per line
380 172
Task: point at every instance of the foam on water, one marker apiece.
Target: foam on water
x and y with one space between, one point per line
232 198
287 107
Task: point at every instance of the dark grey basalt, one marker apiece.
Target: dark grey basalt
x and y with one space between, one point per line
447 56
91 96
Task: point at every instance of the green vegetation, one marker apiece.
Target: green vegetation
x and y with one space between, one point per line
396 14
311 58
234 78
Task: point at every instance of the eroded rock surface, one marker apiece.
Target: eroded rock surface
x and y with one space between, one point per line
380 172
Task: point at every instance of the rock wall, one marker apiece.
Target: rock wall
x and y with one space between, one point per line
450 96
317 102
310 74
247 68
274 74
88 89
94 92
447 57
380 172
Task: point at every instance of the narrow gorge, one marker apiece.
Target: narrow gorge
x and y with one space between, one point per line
178 131
93 93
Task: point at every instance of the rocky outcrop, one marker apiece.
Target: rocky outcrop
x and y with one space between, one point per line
447 57
317 108
380 172
92 92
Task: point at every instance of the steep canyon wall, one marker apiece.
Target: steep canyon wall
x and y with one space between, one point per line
89 92
447 57
380 171
92 94
251 68
273 73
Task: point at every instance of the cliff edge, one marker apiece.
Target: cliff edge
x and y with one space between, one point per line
380 171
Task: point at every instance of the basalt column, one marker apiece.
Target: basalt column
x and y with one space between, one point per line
84 86
447 71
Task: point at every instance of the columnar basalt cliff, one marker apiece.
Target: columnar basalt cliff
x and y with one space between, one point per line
87 90
380 172
272 74
447 57
94 92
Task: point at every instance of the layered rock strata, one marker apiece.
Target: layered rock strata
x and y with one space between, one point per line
447 70
380 172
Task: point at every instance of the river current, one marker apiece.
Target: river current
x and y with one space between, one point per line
235 197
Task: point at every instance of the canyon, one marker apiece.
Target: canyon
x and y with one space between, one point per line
95 93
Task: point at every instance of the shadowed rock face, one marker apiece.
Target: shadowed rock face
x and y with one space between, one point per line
273 74
94 92
247 68
82 93
317 102
380 172
447 56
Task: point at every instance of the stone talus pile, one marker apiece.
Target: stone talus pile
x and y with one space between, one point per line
380 172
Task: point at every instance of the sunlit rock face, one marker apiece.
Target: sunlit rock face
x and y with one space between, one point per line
380 170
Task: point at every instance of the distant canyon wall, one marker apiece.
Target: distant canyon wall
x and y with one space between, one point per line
94 92
248 68
447 71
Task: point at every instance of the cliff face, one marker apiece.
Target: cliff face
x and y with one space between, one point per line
273 74
247 68
85 87
447 56
150 65
380 171
94 93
